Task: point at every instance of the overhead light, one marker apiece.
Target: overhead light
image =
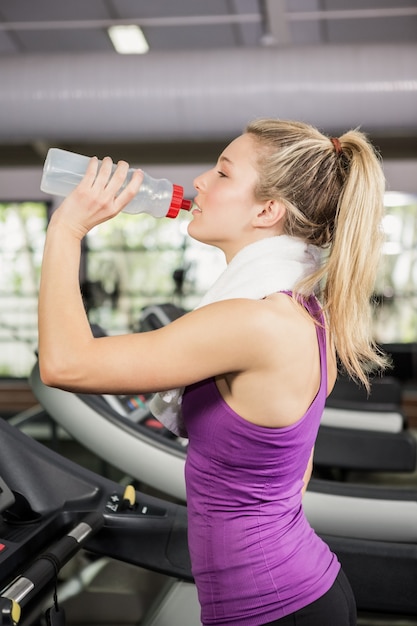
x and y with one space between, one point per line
128 39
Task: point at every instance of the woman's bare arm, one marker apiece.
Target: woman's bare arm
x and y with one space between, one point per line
210 341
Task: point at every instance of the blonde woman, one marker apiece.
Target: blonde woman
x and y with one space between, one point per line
298 217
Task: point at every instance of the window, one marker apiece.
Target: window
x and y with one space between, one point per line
22 235
396 317
137 260
127 263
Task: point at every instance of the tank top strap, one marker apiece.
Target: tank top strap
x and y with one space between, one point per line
313 306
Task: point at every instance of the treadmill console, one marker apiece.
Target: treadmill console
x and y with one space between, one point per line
135 407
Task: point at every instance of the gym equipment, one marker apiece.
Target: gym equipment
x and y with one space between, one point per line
50 508
365 433
120 430
48 502
404 360
364 438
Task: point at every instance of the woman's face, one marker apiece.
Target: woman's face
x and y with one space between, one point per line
225 204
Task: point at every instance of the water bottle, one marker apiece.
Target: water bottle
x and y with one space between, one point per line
63 171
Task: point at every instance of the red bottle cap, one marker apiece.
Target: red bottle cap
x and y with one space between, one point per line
178 202
186 204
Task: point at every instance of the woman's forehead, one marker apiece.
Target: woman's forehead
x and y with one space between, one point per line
241 149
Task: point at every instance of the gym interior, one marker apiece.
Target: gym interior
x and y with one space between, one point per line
92 498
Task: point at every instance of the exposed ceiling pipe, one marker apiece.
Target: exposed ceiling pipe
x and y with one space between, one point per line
144 22
206 94
352 14
212 19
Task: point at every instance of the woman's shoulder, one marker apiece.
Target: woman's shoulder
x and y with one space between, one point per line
277 313
277 321
272 314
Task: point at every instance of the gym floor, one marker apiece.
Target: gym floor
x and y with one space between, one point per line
76 452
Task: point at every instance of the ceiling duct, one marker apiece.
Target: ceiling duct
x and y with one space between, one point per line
206 94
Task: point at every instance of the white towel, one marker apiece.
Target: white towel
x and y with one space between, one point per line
258 270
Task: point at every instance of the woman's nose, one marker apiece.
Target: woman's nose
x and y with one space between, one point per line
196 183
199 182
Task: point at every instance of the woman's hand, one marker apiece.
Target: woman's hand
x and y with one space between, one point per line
98 197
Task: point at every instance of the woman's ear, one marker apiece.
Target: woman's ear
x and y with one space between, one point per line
272 212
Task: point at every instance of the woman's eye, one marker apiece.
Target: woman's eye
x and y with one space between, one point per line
221 174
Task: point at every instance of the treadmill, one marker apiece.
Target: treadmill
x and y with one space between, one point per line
372 529
50 508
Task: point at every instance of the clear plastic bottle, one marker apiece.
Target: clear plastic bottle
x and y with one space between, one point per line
63 171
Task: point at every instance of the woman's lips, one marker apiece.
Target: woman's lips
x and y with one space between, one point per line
195 209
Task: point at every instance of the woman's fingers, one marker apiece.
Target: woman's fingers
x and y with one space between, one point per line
116 185
107 188
105 175
110 177
131 189
91 172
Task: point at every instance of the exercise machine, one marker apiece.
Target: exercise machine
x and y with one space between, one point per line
121 430
50 508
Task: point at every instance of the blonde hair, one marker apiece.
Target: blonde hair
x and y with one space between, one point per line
333 193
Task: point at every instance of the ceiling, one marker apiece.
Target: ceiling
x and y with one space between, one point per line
54 29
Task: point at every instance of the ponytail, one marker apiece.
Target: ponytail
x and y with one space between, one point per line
354 256
333 191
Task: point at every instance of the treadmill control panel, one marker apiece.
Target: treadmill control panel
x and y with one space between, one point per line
134 407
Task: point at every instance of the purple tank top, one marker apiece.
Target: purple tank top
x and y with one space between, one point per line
254 556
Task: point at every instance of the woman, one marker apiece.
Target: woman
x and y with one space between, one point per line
253 364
